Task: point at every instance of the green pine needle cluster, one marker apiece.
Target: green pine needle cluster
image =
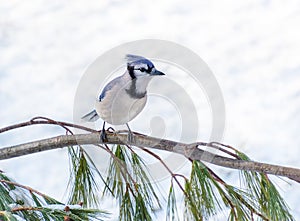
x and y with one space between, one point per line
265 194
131 185
206 196
201 200
18 202
82 183
172 211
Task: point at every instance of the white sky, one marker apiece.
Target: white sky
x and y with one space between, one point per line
252 48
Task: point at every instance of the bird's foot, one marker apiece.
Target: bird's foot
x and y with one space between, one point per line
103 136
130 137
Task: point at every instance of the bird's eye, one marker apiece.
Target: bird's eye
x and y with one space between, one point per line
142 69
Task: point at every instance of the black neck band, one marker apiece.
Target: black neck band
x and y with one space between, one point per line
131 71
132 91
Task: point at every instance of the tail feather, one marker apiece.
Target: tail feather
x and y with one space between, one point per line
92 116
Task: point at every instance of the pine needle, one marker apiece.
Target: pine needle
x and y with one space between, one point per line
131 185
84 188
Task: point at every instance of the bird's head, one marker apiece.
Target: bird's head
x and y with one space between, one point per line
138 66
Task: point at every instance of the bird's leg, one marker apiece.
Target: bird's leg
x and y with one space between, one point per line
103 136
130 134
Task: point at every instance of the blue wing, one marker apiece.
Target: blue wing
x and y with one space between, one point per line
109 86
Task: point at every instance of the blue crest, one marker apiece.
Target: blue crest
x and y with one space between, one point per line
133 60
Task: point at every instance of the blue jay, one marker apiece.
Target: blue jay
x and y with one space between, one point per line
123 98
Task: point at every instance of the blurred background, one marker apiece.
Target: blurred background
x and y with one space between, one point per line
252 47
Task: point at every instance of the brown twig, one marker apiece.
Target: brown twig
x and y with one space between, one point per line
174 176
44 120
24 187
25 208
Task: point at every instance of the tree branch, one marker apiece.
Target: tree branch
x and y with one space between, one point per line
190 151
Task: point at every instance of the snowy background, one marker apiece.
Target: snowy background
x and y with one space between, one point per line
252 48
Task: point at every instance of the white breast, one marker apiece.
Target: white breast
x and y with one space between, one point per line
118 107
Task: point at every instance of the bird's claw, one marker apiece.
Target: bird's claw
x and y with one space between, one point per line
103 136
130 137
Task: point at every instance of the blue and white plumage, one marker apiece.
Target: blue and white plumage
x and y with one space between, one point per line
123 98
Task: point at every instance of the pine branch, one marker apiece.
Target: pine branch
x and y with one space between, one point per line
205 193
191 151
20 202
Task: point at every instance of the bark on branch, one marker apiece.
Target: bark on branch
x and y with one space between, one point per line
191 151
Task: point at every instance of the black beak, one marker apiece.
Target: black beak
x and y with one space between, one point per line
156 72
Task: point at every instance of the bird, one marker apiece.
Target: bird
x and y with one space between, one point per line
124 97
